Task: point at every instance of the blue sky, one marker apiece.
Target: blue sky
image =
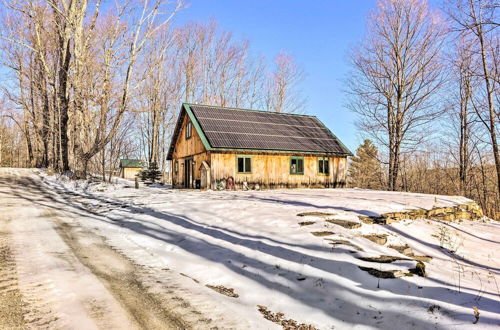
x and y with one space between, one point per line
319 33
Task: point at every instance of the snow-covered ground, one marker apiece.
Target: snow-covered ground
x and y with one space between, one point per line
252 242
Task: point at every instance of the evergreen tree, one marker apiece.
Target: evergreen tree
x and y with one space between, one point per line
154 172
365 170
151 174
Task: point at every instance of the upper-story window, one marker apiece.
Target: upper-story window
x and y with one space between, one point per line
189 129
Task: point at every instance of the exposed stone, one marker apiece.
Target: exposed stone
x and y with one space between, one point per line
383 273
336 242
382 259
380 239
306 223
344 223
315 214
440 211
467 211
403 249
322 233
372 220
421 258
419 269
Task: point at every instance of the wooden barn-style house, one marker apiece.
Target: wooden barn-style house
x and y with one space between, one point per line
216 147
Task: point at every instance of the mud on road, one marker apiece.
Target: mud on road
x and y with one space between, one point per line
119 275
12 308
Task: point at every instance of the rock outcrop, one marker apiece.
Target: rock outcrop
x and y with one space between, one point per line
468 211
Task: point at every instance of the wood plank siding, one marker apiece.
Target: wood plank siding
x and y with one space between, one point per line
273 171
129 173
188 148
207 142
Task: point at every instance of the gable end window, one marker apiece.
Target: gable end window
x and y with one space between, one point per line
323 166
244 164
189 129
296 165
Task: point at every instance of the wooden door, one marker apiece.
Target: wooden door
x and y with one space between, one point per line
188 173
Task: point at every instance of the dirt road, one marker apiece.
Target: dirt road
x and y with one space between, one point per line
55 274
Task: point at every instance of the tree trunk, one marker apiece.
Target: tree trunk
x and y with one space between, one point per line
103 165
491 106
63 74
464 139
28 143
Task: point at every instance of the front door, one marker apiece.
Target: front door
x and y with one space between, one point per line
188 173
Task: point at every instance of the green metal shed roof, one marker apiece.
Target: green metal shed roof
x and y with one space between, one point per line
131 163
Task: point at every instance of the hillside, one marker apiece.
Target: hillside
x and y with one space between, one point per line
265 259
265 246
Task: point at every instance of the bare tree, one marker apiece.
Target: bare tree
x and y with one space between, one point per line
459 132
81 69
478 20
283 94
82 75
397 73
121 43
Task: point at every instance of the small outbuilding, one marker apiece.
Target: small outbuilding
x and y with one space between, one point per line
216 147
129 168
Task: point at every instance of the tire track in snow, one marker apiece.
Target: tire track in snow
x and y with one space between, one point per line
119 275
160 288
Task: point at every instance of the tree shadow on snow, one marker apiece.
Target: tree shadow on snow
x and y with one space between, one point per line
217 244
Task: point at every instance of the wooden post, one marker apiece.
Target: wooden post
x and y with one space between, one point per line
136 183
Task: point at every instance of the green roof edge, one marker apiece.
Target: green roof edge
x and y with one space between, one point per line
197 126
282 151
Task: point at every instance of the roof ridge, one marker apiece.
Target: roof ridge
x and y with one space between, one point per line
245 109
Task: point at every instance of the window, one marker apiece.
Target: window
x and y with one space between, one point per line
189 129
176 167
244 164
323 167
297 165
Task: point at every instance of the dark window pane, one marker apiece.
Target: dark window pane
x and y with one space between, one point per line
320 164
326 166
300 166
248 165
241 165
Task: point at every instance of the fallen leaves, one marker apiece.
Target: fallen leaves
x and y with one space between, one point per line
279 318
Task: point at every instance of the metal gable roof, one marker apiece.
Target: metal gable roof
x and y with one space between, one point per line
223 128
131 163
